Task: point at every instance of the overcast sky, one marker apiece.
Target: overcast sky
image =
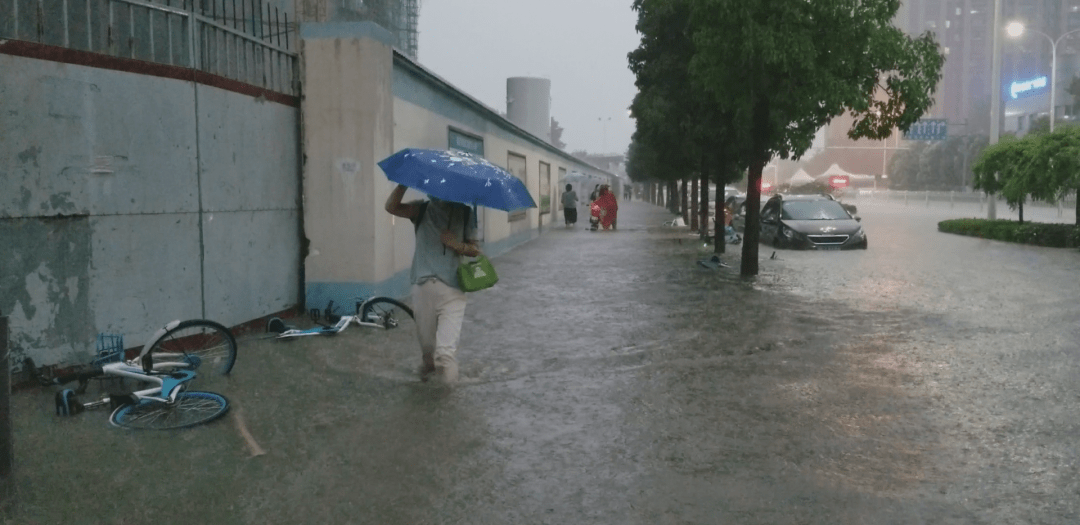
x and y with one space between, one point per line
579 45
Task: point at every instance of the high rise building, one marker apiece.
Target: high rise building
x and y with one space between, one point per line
963 28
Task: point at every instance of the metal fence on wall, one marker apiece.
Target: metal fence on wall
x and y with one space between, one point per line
243 40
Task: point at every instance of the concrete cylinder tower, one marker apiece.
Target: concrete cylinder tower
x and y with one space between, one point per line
528 105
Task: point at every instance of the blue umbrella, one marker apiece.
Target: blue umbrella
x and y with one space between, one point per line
458 177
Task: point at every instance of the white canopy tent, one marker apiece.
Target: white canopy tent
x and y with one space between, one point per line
801 177
834 170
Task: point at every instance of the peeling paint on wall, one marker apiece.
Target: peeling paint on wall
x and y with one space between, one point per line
102 223
29 155
45 288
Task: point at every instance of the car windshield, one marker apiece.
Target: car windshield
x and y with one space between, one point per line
814 211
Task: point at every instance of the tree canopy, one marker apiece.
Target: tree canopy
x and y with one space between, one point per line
1043 167
762 77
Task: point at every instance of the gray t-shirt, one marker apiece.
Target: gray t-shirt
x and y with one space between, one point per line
432 258
569 199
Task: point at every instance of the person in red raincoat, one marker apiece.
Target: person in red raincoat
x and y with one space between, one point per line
609 208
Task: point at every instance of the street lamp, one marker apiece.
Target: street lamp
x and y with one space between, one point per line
605 122
1015 30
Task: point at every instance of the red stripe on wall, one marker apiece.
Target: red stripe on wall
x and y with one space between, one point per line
130 65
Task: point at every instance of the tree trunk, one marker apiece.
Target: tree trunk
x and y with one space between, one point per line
719 217
759 141
695 204
749 267
703 211
1076 195
1021 213
684 195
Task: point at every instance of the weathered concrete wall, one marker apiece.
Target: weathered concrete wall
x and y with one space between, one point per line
129 200
348 124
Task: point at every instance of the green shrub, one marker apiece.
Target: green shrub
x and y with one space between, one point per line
1037 233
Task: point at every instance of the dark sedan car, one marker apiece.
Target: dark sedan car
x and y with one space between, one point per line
815 222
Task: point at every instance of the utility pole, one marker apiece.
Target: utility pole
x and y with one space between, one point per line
995 97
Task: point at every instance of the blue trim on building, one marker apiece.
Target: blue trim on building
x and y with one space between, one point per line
495 249
345 294
327 30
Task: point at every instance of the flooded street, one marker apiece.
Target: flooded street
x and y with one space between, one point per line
609 379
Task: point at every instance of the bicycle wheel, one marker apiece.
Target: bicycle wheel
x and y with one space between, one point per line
190 409
385 311
211 343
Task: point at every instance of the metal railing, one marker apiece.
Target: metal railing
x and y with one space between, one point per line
1067 202
243 40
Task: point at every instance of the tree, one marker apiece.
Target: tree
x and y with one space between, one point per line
1006 169
1056 156
1042 167
903 167
662 106
943 165
781 69
676 119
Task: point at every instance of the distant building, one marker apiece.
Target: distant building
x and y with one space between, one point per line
611 163
963 27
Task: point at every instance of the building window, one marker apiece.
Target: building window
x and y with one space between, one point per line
467 142
545 188
515 164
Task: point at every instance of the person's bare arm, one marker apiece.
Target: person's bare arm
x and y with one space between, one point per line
395 207
467 248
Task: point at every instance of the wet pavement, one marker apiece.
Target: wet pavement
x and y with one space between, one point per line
609 379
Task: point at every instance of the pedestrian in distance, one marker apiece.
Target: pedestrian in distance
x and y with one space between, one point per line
444 234
569 205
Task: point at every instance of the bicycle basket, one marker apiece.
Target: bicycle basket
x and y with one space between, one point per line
110 349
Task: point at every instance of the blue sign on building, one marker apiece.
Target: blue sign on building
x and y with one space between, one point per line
1023 88
928 129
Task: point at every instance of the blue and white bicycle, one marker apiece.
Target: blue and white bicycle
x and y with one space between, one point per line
376 312
162 371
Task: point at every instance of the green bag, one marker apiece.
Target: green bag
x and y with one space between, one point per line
477 274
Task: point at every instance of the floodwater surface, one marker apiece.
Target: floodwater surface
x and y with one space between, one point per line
608 378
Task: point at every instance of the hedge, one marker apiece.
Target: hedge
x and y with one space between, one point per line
1037 233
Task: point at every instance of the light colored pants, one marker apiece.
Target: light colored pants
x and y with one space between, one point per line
439 311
